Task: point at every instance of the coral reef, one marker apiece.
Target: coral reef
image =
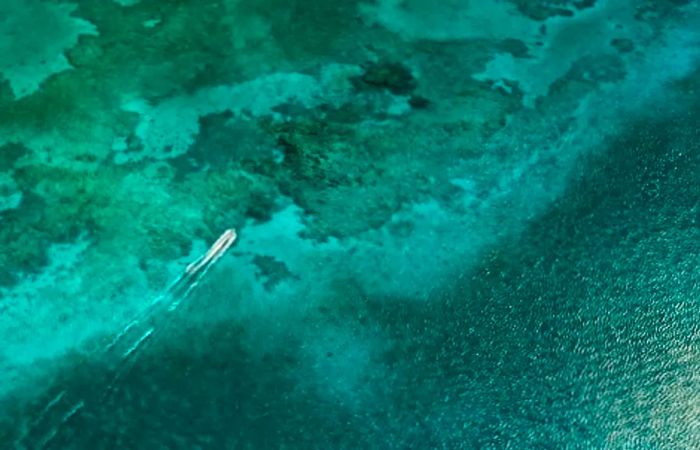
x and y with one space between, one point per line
447 211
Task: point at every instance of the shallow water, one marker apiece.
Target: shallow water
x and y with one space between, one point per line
460 225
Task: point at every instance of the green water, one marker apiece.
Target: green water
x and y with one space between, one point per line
461 224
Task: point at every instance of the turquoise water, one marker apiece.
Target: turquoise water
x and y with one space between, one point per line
460 224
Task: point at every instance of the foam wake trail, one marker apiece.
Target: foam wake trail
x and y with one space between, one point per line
118 356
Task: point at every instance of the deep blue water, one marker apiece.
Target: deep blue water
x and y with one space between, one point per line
460 224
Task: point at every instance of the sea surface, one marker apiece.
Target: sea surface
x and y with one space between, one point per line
349 224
